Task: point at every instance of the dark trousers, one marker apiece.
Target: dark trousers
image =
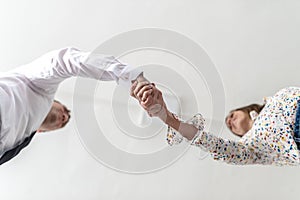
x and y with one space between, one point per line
15 151
296 127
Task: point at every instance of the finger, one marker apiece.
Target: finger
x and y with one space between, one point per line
143 106
159 95
133 86
156 95
149 114
147 103
146 94
138 87
143 90
152 93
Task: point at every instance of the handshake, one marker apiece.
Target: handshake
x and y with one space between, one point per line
149 97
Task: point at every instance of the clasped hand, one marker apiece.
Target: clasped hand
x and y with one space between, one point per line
150 98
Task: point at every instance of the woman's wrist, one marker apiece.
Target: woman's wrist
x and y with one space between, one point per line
186 130
171 120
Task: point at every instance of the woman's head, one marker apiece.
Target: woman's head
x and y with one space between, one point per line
239 121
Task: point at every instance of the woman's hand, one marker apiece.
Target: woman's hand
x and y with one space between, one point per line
157 107
142 91
150 98
152 101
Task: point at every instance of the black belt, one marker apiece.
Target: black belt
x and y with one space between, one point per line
15 151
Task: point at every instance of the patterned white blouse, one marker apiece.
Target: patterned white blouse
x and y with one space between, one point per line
269 141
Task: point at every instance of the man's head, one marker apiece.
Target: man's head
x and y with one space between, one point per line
239 121
57 118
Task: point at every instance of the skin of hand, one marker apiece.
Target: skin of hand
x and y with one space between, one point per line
152 101
142 91
150 98
158 107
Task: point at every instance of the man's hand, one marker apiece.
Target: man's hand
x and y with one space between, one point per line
152 101
150 98
142 91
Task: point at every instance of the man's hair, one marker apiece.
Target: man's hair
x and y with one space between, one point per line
67 110
247 109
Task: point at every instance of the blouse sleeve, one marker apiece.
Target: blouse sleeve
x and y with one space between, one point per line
231 152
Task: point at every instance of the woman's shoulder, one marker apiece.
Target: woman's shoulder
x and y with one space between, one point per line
288 92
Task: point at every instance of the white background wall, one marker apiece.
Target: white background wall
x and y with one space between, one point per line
254 45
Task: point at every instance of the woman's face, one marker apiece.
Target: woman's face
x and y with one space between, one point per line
239 122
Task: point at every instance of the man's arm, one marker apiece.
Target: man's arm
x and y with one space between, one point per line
48 71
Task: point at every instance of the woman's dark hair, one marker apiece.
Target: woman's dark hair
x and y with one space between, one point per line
248 109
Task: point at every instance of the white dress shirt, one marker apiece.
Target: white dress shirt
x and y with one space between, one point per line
27 93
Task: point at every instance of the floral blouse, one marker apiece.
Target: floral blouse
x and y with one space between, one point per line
269 141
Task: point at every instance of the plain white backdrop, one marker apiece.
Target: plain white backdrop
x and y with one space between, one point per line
254 45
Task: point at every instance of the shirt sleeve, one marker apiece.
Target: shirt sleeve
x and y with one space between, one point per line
48 71
231 152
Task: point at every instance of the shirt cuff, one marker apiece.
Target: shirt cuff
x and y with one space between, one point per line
130 75
174 137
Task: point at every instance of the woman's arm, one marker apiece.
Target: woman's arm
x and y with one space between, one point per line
229 151
152 101
186 130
